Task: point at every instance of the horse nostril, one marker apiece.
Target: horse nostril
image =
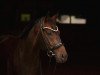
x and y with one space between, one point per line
63 56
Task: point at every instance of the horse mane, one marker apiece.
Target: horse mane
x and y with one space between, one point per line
27 29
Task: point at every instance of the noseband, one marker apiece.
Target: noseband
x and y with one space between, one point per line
50 51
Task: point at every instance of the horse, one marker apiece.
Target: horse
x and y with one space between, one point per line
20 55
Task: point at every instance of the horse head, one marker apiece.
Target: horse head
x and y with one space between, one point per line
51 39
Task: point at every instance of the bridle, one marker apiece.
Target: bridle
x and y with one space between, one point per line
50 51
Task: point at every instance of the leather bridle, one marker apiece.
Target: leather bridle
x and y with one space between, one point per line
50 51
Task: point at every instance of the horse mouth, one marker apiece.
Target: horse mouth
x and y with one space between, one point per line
61 59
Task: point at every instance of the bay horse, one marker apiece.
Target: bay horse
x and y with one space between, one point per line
20 56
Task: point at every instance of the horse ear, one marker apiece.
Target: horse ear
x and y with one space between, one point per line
47 15
54 17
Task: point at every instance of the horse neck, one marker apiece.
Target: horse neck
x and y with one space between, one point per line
33 36
31 53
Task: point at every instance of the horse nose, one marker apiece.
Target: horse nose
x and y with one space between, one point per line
64 57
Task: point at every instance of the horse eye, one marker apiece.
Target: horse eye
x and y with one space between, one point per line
49 32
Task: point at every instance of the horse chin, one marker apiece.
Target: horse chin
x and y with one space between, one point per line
61 55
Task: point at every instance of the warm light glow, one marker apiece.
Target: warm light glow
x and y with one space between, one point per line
25 17
66 19
75 20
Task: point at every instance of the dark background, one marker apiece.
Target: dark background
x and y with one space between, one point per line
82 40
